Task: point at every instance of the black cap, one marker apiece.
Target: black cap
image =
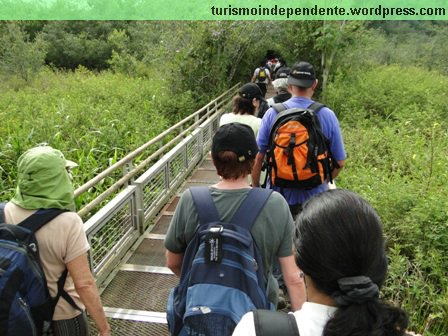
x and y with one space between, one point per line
237 138
302 74
250 91
283 72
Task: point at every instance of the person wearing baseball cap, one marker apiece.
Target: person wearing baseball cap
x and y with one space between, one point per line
280 85
244 108
44 182
252 92
302 75
233 152
302 82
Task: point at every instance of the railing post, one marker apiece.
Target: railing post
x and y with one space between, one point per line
140 207
126 169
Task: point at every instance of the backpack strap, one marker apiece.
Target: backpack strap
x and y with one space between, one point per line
34 223
273 323
279 107
205 206
316 106
40 218
244 216
62 293
251 207
2 212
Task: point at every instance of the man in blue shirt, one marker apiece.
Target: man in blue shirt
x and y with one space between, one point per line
302 83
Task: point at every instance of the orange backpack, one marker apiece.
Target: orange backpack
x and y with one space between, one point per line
299 154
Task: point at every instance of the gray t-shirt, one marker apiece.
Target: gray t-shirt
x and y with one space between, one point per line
272 230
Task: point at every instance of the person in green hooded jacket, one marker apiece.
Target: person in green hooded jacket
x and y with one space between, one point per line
44 182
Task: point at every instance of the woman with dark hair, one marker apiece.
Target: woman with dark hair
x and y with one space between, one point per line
340 249
244 108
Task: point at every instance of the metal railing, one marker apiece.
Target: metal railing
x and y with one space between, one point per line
121 221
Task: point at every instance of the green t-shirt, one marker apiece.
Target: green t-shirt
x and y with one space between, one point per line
272 231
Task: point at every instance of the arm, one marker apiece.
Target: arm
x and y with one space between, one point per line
174 261
86 287
336 171
294 282
254 76
246 326
256 169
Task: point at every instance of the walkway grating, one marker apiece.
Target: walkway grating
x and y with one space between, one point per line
135 300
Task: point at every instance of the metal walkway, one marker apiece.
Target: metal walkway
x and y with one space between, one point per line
135 299
126 234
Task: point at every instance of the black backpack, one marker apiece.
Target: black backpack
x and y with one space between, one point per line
222 274
299 154
275 323
26 307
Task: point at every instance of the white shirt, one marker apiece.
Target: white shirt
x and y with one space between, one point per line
247 119
311 320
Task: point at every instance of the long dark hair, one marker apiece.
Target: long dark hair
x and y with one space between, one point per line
340 246
243 106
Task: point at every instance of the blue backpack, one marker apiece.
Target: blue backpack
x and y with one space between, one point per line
26 307
222 274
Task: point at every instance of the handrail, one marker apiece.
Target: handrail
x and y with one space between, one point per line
121 221
210 108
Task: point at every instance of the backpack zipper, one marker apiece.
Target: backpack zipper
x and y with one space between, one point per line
26 310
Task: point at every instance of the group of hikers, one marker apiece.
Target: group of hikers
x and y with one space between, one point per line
242 248
242 245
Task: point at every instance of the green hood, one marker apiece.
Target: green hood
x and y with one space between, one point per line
43 181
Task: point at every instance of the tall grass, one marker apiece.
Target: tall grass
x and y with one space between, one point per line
95 119
395 126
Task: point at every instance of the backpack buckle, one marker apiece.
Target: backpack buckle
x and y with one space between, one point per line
33 247
216 229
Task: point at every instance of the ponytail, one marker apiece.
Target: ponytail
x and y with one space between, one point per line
340 246
243 106
370 318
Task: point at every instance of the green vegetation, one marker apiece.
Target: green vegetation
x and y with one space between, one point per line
97 90
397 141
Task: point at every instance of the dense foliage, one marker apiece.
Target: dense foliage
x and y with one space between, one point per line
397 139
99 89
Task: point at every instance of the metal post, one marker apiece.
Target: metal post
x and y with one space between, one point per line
140 207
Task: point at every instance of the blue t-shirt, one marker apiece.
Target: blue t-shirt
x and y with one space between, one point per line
330 127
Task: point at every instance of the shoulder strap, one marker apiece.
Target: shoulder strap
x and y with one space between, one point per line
40 218
62 293
279 107
2 212
273 323
244 216
251 207
315 107
34 223
205 206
